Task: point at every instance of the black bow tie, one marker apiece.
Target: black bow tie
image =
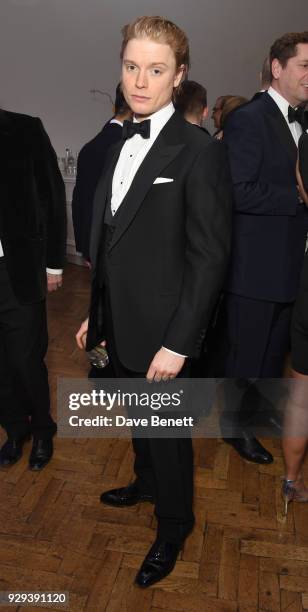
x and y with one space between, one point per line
130 129
296 114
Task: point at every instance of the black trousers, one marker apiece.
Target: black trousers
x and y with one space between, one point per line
163 466
24 390
257 337
254 341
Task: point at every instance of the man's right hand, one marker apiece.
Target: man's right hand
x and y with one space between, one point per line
81 336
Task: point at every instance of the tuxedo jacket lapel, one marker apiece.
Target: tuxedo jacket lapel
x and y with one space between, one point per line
165 148
281 128
157 159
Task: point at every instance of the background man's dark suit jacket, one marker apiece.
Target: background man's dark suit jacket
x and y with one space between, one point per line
257 95
33 236
303 158
90 163
32 205
270 226
167 259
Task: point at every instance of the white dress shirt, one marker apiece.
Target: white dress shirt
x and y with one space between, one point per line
283 105
131 157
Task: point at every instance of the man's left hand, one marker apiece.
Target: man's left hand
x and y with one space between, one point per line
54 281
164 366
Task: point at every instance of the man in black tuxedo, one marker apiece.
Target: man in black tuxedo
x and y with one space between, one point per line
191 102
90 163
270 229
159 250
32 239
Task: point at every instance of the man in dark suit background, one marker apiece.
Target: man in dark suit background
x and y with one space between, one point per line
91 160
159 250
32 238
270 229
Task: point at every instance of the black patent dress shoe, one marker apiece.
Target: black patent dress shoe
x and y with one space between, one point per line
125 496
42 451
11 450
158 563
250 449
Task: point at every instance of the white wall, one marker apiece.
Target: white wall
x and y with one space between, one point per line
52 52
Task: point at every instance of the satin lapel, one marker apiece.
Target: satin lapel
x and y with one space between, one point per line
159 156
280 126
100 198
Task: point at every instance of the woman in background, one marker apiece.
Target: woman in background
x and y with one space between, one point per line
295 437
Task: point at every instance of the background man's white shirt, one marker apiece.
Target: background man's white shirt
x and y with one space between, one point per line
283 105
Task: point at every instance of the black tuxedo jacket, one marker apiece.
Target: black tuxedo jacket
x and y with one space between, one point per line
257 95
167 259
270 226
90 163
32 205
303 158
203 129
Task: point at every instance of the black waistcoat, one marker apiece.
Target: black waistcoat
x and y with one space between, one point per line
108 227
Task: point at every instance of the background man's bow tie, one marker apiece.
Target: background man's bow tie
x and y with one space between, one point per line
130 129
298 114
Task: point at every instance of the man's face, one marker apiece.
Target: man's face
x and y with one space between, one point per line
292 80
149 74
216 114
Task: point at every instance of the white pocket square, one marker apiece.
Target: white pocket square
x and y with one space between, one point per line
162 179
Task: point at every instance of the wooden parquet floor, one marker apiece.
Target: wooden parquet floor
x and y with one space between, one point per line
56 536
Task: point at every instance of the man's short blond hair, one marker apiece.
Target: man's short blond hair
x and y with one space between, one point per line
160 30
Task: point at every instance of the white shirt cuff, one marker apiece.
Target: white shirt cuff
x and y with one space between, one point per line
53 271
174 353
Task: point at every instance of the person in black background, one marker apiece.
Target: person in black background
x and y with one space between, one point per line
32 238
269 231
295 438
90 163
